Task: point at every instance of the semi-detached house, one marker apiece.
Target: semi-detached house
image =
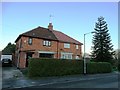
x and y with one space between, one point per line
45 43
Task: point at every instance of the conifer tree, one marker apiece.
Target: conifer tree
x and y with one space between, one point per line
102 50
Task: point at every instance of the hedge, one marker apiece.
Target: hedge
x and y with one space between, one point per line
99 67
56 67
119 66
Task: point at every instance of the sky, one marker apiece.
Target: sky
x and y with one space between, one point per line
72 18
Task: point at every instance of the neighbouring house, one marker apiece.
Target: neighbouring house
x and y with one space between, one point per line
45 43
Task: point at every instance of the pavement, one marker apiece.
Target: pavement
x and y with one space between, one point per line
13 78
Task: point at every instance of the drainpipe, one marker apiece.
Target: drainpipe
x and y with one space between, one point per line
57 50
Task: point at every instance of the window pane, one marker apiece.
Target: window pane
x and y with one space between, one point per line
66 45
49 43
66 56
46 43
30 41
76 46
46 55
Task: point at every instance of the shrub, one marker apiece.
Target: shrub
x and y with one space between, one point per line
119 64
99 67
118 67
54 67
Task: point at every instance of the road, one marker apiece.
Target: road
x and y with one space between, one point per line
91 81
96 82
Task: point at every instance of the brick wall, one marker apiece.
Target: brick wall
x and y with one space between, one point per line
37 45
22 61
72 49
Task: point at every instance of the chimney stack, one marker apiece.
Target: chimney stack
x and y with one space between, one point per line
50 26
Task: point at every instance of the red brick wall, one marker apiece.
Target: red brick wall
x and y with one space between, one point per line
37 45
72 49
22 61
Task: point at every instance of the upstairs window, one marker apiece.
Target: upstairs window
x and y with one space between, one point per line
30 41
47 43
20 43
77 47
66 45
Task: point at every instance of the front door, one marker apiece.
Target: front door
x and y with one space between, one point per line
28 56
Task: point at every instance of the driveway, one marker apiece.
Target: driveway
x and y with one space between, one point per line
10 72
10 76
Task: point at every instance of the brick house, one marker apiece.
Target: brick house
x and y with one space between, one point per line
45 43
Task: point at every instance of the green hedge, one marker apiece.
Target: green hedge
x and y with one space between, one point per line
56 67
119 65
99 67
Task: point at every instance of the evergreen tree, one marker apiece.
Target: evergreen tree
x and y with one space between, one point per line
102 46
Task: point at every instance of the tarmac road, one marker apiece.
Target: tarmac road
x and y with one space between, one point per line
109 80
103 82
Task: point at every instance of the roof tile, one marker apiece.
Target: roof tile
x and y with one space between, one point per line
64 38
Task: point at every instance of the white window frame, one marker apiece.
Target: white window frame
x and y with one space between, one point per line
30 40
77 57
65 55
66 45
77 47
46 43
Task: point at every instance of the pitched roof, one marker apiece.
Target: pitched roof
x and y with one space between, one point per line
45 33
39 32
65 38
